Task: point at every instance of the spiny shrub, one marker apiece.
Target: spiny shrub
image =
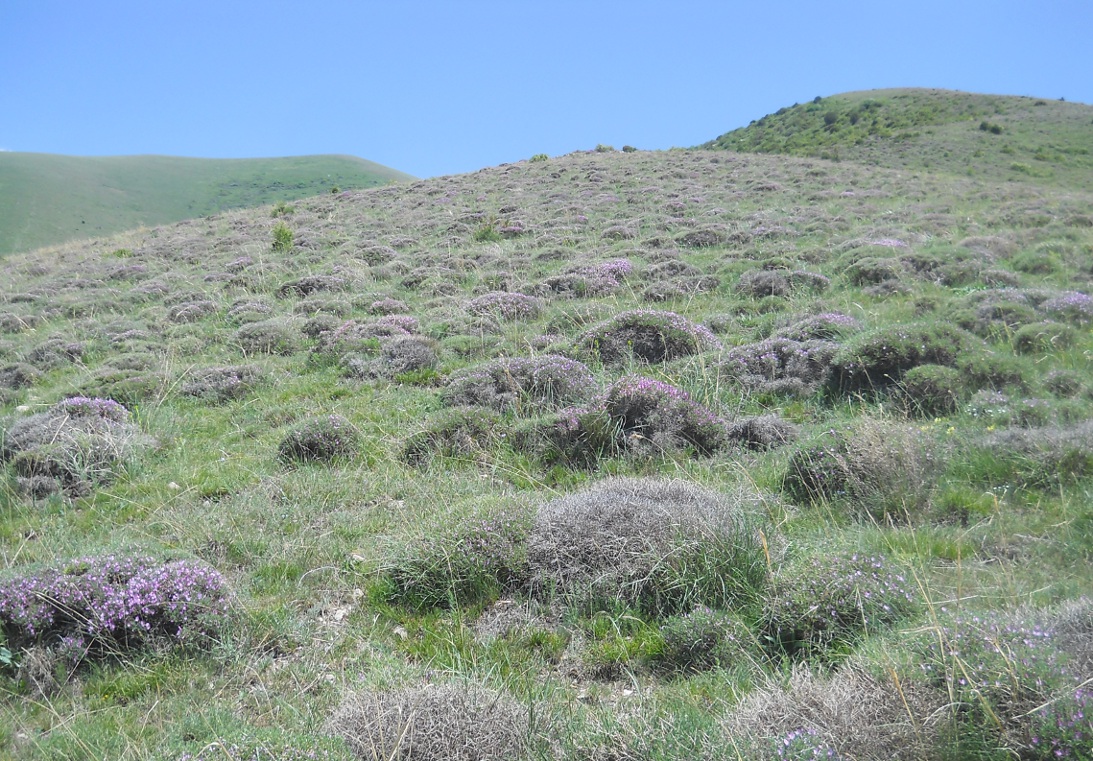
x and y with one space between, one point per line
77 444
260 750
762 283
434 722
221 384
506 305
931 391
646 335
848 714
877 470
520 383
878 358
459 432
779 365
320 439
474 560
1009 677
400 356
704 639
310 284
763 432
97 606
819 605
274 336
191 311
652 413
19 375
661 546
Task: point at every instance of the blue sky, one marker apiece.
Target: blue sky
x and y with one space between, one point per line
435 88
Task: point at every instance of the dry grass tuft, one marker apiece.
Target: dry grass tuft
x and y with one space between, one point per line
437 722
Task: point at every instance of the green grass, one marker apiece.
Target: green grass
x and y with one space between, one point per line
1001 138
995 515
48 199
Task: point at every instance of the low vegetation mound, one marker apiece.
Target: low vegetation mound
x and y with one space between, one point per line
662 546
435 722
94 607
78 444
646 335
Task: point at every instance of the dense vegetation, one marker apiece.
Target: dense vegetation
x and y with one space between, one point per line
614 455
48 199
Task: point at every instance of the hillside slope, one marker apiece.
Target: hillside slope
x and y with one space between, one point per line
989 136
304 483
47 199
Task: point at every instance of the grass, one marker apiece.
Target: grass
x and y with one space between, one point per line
995 137
401 578
47 199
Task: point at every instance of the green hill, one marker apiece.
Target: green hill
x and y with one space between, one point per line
47 199
989 136
656 456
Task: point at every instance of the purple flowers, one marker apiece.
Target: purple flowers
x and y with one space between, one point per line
98 604
82 406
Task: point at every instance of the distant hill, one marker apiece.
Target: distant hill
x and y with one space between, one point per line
46 199
988 136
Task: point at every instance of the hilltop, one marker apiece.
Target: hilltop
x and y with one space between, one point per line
46 199
994 137
637 455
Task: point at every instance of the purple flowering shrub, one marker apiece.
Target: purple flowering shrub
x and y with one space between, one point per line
820 605
1009 674
660 546
320 439
98 606
804 744
506 305
762 432
1071 306
520 383
476 560
779 365
654 413
272 336
646 335
79 443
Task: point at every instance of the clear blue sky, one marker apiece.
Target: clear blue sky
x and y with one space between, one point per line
434 88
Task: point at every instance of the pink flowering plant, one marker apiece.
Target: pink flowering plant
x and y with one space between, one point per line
663 415
96 606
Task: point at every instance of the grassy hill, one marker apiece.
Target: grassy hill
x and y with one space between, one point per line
994 137
681 455
47 199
